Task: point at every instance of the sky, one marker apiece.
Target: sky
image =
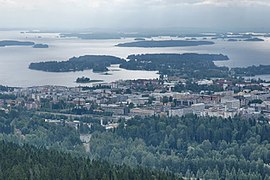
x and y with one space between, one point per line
136 14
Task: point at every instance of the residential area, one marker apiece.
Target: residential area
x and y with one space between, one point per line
110 102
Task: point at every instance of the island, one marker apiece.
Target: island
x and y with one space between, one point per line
165 43
234 36
139 39
84 80
254 39
112 35
232 40
98 63
6 43
92 36
41 46
182 65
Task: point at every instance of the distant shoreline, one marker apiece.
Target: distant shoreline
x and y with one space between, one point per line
8 43
165 43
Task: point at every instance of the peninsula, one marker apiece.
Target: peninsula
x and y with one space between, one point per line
184 65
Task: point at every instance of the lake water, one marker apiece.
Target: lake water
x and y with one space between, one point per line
14 61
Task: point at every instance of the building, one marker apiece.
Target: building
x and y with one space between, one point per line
180 112
115 109
79 101
220 112
198 108
230 102
142 112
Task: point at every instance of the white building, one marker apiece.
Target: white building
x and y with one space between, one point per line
180 112
198 108
230 102
142 112
205 82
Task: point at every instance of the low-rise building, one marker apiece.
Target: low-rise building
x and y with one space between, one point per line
198 109
115 109
180 112
142 112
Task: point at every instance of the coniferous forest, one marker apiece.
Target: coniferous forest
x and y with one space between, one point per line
168 147
208 148
28 162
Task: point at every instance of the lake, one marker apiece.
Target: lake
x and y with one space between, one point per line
14 61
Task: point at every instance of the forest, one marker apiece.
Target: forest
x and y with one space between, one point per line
187 65
194 87
164 43
254 39
252 70
22 126
86 80
6 88
27 162
87 62
15 43
41 46
184 65
207 148
190 146
116 35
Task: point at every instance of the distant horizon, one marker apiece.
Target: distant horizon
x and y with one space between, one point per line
160 30
201 15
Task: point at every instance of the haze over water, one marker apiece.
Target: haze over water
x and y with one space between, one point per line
14 61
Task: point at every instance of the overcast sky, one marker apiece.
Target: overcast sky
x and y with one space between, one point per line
123 14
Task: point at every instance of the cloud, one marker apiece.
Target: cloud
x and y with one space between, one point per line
243 3
32 4
134 13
